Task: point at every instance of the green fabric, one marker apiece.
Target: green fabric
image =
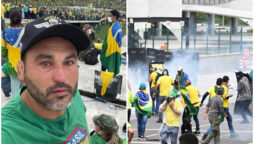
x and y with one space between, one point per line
147 111
20 125
25 8
4 69
180 81
10 69
112 62
251 74
184 92
96 139
130 99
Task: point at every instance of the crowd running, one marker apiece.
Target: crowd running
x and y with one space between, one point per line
178 99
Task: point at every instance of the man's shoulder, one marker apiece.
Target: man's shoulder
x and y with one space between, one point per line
11 108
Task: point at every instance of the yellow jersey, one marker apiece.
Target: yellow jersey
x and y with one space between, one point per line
194 95
171 119
153 76
225 95
165 83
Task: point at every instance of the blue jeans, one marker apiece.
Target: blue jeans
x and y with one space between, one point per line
156 104
229 119
208 130
141 119
168 131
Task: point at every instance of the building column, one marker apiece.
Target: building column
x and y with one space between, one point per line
211 19
234 25
222 20
193 22
187 29
159 29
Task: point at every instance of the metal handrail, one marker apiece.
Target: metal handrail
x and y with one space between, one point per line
205 2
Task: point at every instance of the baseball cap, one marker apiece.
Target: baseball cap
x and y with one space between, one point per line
172 94
179 68
142 85
106 122
52 26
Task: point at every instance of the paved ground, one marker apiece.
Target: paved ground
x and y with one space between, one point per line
152 130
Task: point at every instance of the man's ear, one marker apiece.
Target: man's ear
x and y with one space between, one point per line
21 71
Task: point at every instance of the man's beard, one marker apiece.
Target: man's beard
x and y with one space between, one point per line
41 97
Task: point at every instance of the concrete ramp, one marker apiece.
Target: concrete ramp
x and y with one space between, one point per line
175 28
218 11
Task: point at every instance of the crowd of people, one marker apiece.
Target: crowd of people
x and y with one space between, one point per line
49 107
64 12
178 98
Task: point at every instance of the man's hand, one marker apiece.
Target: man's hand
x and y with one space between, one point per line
153 95
201 105
230 95
225 115
171 105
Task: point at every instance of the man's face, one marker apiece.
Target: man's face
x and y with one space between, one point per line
112 17
51 72
179 72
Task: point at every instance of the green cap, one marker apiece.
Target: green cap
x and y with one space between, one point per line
172 95
106 122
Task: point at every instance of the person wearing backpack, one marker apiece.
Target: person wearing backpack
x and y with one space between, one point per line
164 83
153 78
89 55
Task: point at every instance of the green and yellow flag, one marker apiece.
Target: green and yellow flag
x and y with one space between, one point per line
13 56
111 54
184 93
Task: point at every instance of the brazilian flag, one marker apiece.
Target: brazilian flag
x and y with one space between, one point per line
184 93
13 56
111 55
111 49
143 103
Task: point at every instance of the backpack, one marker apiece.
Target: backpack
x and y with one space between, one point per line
89 56
157 77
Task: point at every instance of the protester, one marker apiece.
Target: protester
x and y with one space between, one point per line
130 133
226 97
194 99
243 99
181 76
49 109
11 49
106 130
5 81
170 127
143 105
188 138
152 80
212 92
164 83
215 108
129 101
89 55
111 49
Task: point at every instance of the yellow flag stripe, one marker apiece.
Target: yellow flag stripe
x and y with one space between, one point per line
112 45
13 54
